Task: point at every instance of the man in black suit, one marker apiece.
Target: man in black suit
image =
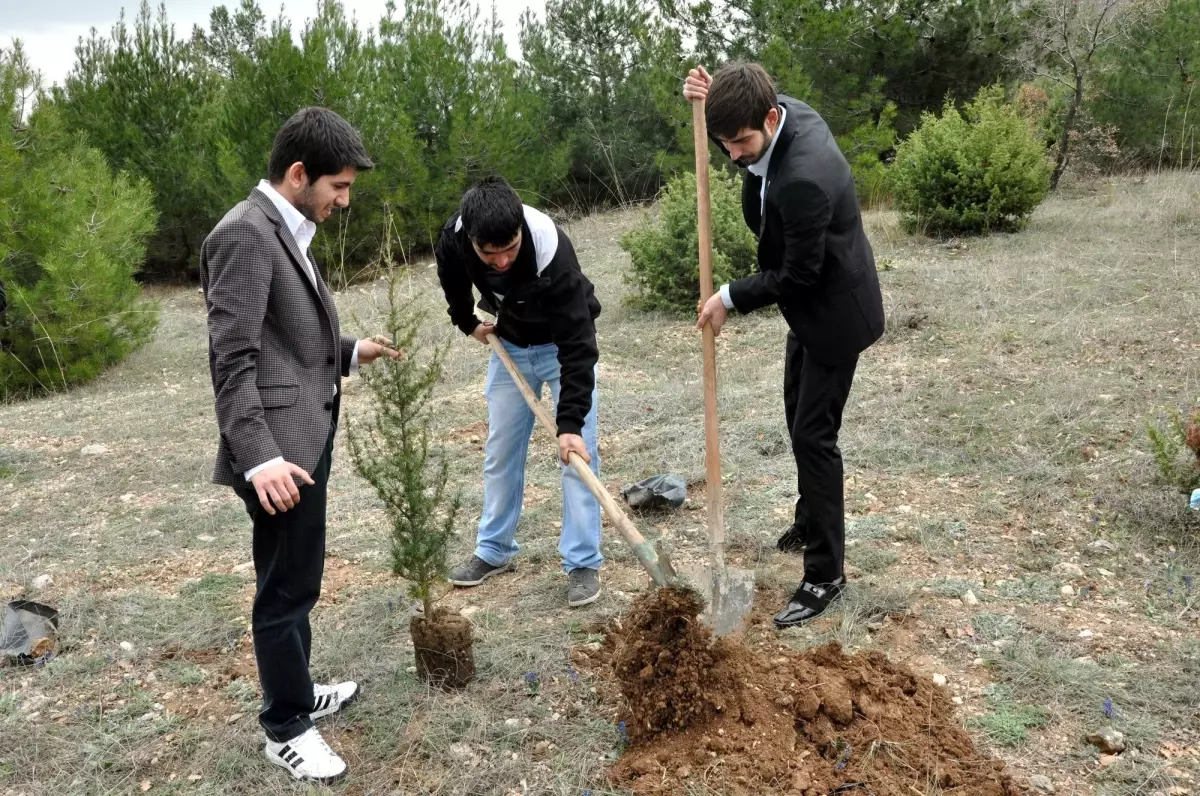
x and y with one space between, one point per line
816 265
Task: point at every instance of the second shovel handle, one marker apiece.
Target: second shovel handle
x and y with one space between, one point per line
712 444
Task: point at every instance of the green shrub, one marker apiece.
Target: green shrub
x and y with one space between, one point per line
1176 450
71 237
665 253
972 172
862 147
1008 721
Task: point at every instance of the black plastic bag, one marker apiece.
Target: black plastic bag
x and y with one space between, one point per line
659 492
27 631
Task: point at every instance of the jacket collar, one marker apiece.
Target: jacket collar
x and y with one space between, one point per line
787 134
762 166
284 233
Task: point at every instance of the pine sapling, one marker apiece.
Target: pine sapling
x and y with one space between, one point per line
392 450
1167 445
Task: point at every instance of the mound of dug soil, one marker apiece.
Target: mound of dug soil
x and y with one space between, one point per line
812 723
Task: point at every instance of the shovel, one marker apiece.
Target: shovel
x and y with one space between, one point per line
654 562
730 591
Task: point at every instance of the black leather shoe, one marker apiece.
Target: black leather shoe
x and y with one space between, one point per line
792 540
809 601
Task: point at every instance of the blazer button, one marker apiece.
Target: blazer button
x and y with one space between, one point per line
329 406
329 360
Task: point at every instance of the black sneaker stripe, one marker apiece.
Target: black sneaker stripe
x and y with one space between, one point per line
297 762
288 757
284 751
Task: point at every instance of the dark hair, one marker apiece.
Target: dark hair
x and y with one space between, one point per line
740 96
492 212
320 139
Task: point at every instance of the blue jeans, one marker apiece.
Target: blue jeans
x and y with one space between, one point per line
510 425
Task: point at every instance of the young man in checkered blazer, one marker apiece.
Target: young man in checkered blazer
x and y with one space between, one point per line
277 357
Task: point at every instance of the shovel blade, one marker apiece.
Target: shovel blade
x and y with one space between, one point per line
730 594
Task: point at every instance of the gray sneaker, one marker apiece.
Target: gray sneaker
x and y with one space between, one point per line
583 586
475 571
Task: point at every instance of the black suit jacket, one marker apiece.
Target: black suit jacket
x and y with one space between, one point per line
814 259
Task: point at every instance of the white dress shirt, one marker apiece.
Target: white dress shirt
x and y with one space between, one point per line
302 231
759 169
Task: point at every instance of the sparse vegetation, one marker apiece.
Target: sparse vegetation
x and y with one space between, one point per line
962 442
1007 722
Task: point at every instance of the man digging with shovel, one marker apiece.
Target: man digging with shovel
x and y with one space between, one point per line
528 277
816 265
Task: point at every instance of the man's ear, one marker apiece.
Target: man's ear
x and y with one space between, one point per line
771 123
296 176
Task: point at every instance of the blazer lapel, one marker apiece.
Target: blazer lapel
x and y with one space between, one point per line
325 295
289 243
790 124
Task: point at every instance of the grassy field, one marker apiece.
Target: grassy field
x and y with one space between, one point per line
995 444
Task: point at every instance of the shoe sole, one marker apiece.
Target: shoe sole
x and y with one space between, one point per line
347 702
505 568
302 777
585 601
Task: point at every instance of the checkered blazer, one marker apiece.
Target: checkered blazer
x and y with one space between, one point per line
275 351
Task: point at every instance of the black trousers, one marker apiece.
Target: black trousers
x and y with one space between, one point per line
814 396
289 560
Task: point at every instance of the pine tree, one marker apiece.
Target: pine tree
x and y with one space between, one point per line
1068 42
142 96
71 235
393 449
1147 90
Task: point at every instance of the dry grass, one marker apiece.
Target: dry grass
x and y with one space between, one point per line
995 432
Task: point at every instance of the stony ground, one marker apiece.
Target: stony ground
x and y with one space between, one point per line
1008 533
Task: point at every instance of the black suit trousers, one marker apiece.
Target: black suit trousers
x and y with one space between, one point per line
814 395
289 561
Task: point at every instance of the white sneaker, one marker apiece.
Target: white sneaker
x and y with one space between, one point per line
332 698
308 758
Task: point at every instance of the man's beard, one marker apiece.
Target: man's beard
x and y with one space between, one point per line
307 205
746 162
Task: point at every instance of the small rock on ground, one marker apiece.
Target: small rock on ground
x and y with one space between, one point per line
1107 740
1041 783
1067 570
461 751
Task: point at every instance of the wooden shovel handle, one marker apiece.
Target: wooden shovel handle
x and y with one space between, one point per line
623 524
712 445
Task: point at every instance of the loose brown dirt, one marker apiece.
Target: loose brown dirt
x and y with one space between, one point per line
817 722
